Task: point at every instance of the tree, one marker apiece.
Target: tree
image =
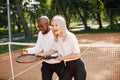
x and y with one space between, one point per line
3 13
32 11
82 9
96 8
28 34
111 6
65 8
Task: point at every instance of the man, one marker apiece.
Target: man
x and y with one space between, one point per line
44 43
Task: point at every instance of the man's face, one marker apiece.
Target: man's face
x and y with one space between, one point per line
43 26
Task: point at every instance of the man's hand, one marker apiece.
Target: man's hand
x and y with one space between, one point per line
42 57
40 54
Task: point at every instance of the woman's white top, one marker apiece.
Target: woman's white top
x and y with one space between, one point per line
67 47
45 43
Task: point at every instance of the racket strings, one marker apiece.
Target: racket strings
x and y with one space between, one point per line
26 58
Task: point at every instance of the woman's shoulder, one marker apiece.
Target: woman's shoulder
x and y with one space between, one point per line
71 35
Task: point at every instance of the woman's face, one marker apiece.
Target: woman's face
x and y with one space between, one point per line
56 30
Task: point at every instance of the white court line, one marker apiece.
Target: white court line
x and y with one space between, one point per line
26 70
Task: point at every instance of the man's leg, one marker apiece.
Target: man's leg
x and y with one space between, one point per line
46 72
58 68
66 75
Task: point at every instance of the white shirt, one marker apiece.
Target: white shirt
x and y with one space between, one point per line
67 47
44 42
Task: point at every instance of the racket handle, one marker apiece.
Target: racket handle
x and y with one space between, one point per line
51 57
47 57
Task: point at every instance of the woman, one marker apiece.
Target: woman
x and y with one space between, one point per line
66 44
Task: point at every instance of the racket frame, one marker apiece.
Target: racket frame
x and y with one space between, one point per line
23 55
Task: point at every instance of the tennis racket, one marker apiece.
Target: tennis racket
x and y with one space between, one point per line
29 58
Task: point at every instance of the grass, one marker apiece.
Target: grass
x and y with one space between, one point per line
94 31
4 48
75 25
106 29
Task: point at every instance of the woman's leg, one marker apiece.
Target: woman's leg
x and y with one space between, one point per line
80 73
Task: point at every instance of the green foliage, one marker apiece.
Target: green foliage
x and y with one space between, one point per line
75 25
66 8
112 10
33 40
94 31
116 27
4 48
3 31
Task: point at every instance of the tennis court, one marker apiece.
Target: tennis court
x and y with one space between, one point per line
100 53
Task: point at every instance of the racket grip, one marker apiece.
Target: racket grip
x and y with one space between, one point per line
51 57
47 57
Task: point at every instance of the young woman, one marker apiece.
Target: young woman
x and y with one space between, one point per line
66 44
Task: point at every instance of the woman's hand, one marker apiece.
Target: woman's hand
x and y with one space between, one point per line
40 54
70 57
59 58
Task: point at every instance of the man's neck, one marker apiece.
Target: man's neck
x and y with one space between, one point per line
47 31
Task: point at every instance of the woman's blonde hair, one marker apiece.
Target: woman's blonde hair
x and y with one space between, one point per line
62 25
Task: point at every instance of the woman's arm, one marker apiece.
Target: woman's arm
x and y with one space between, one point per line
70 57
47 53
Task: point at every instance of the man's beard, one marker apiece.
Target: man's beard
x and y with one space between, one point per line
46 31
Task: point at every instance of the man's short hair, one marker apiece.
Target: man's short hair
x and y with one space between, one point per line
44 18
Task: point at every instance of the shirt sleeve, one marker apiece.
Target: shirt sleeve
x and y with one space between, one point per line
74 44
37 48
